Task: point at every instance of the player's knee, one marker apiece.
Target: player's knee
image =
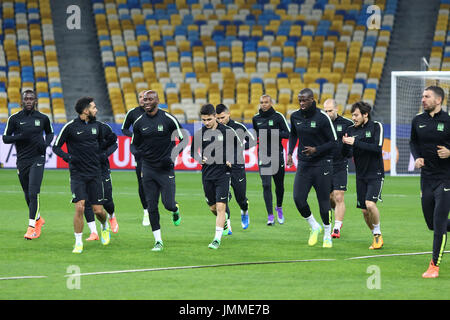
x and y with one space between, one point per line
370 205
339 197
79 207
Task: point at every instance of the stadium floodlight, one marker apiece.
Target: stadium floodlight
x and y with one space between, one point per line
406 94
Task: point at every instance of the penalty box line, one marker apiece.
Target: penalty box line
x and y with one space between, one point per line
392 255
196 267
221 265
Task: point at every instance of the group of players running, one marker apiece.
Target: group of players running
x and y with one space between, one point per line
325 141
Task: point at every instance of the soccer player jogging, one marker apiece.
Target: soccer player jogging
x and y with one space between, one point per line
430 147
153 142
238 176
108 202
84 137
24 129
316 137
212 147
340 166
268 124
365 140
130 118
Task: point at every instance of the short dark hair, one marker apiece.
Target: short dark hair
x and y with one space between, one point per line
82 104
438 91
363 107
307 92
207 110
221 108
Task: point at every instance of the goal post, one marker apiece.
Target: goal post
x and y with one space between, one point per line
406 95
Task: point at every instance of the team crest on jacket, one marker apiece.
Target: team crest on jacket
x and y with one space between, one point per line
339 127
368 134
160 127
440 126
313 124
37 123
270 122
94 130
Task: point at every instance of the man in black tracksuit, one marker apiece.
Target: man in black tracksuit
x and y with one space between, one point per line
106 149
430 147
153 142
269 124
24 129
130 118
84 137
212 146
365 139
238 176
340 166
317 139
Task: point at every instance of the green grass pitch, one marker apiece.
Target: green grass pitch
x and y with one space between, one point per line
330 274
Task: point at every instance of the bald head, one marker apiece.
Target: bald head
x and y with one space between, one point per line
151 101
331 108
141 97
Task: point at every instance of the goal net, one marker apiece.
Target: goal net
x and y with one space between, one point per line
406 102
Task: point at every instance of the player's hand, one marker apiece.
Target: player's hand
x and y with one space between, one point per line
348 140
309 150
420 162
290 162
204 159
228 163
443 152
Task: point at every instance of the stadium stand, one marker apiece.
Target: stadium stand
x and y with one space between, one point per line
28 58
440 50
197 51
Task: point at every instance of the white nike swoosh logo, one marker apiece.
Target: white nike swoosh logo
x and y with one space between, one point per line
240 180
325 173
107 180
170 177
143 129
79 132
445 189
374 197
23 123
223 198
40 165
422 126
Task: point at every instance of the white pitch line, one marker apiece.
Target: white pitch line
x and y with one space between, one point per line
393 255
194 267
23 277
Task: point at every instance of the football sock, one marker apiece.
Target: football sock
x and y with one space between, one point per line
78 238
92 226
32 222
327 229
157 235
376 229
312 222
337 224
219 232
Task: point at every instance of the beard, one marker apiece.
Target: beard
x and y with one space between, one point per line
151 109
91 117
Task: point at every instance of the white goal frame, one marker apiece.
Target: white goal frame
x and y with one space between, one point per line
394 76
